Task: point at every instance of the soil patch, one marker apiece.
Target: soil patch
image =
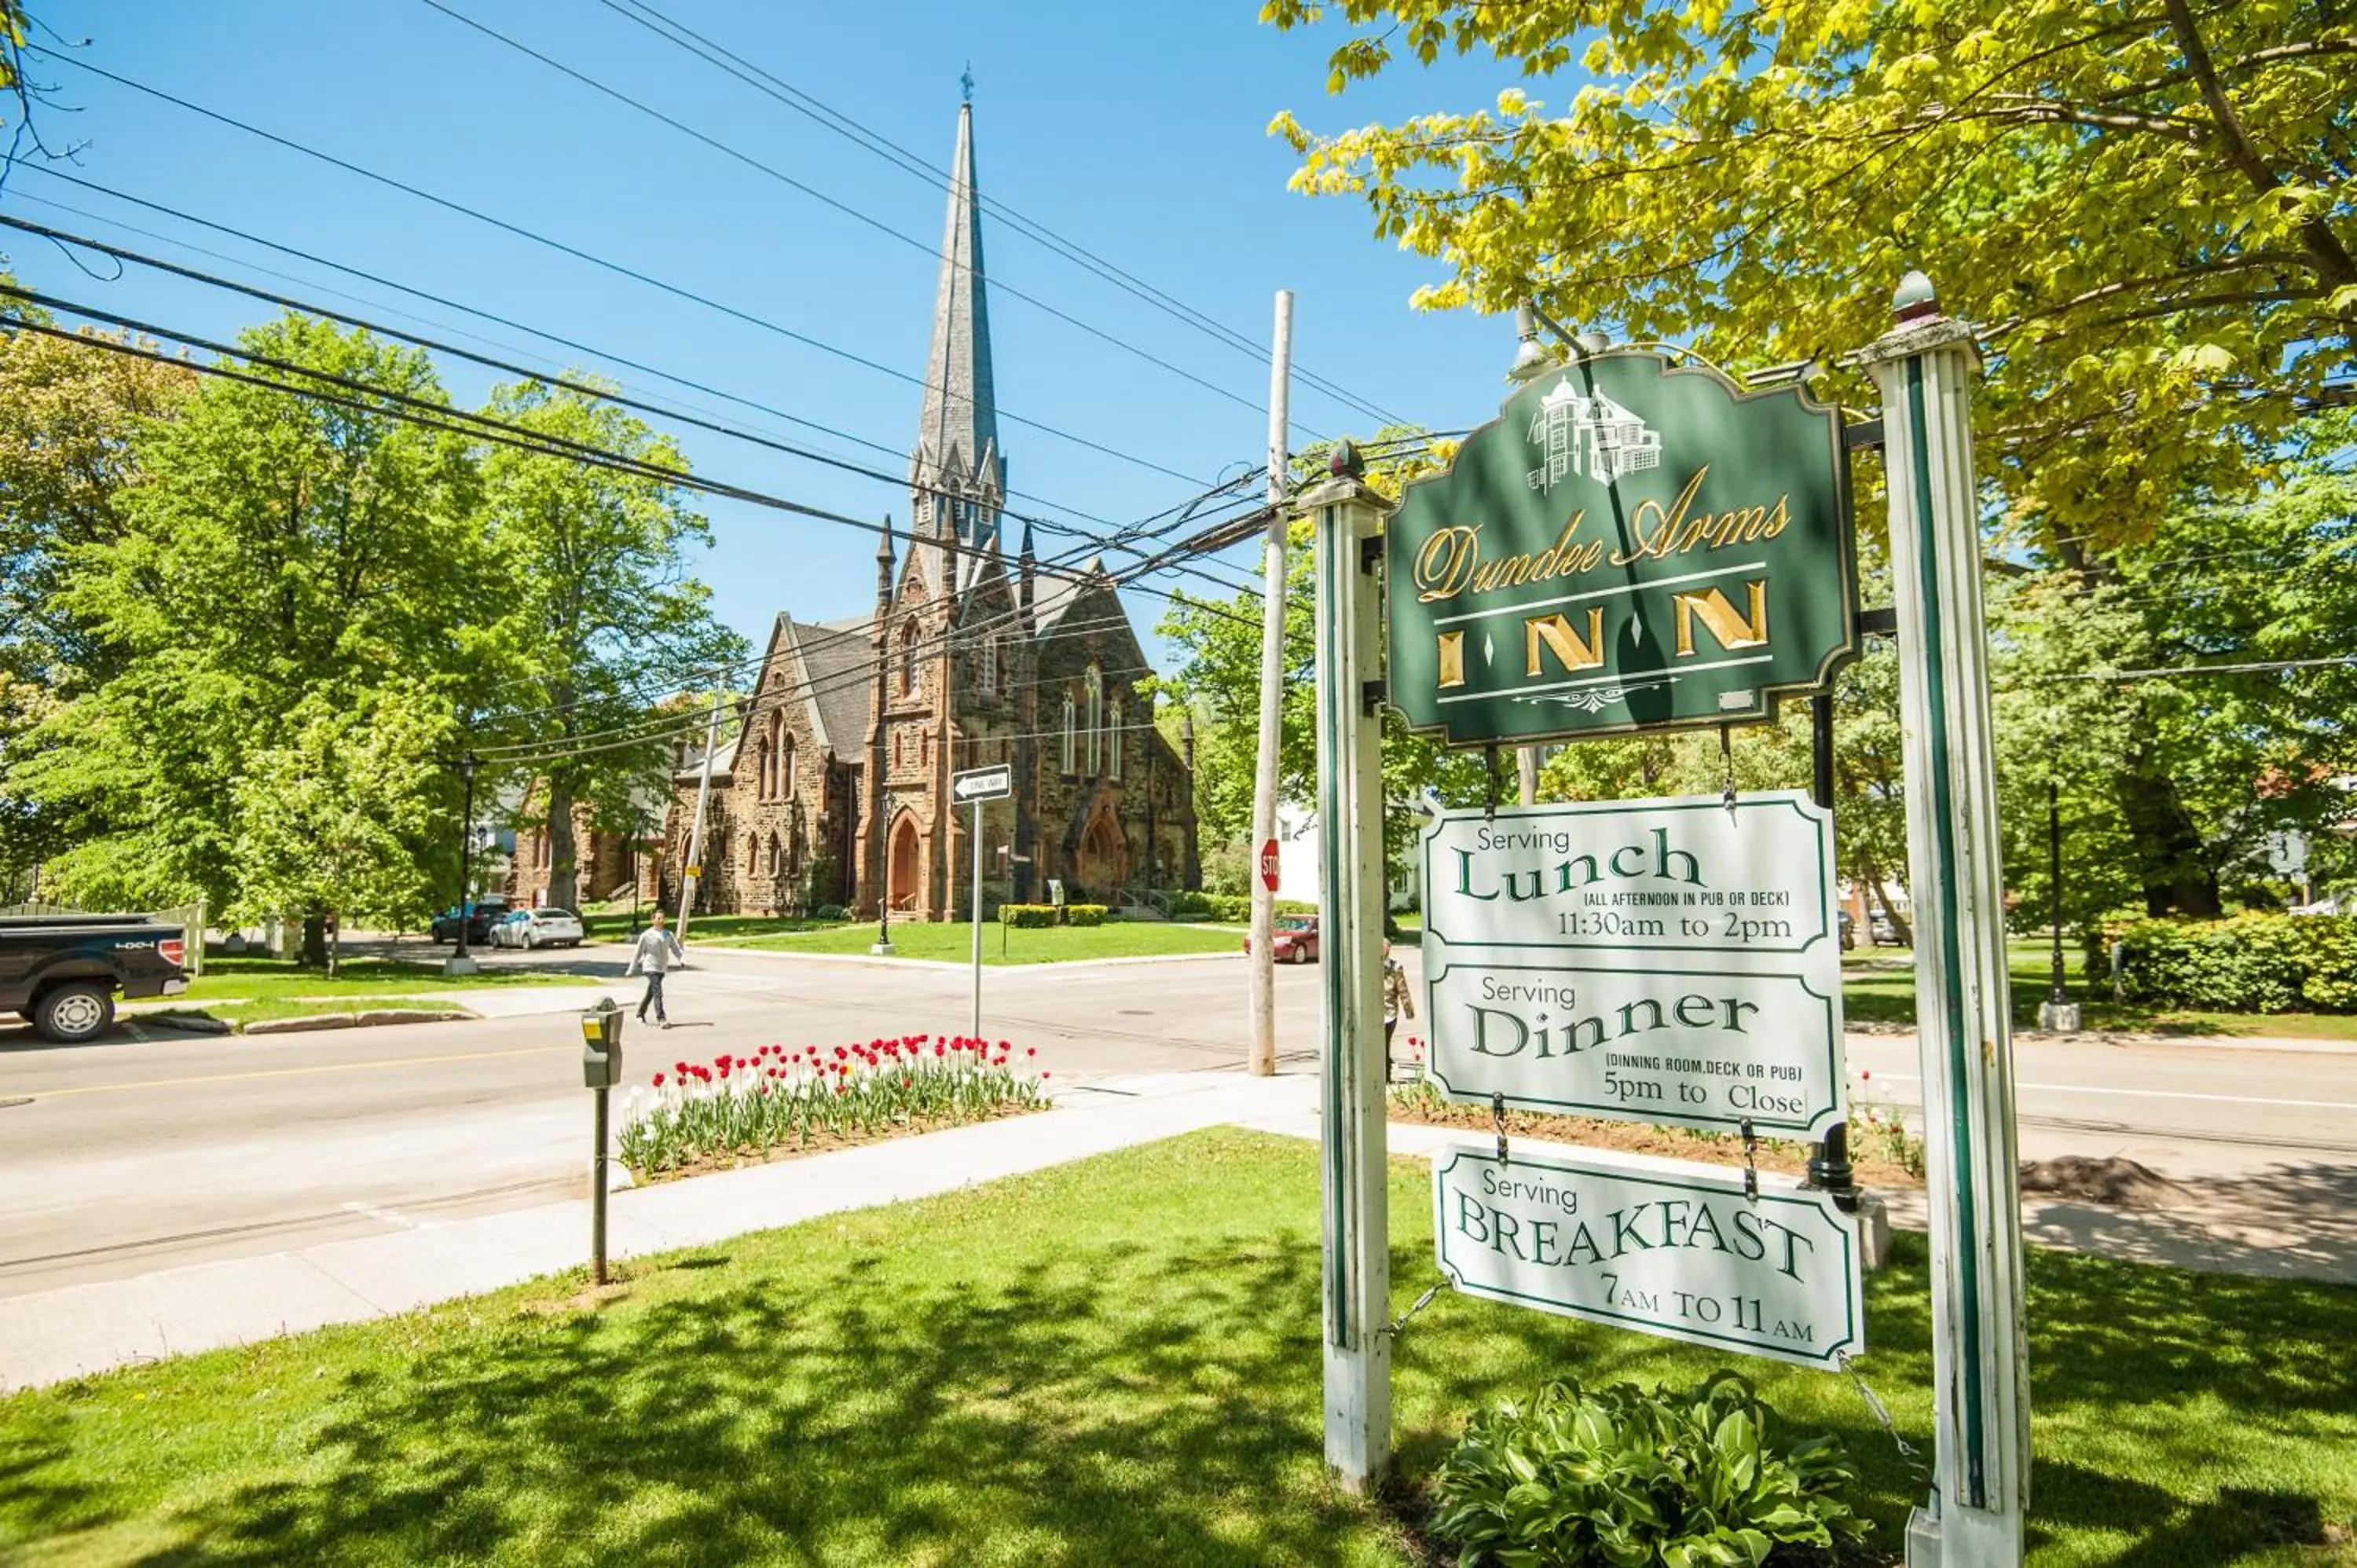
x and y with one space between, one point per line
1638 1138
2115 1182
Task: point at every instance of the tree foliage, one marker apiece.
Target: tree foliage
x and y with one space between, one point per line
603 609
2145 207
279 554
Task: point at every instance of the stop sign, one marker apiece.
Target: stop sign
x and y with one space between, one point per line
1268 865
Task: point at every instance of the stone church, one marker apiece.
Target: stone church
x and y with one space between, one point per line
834 790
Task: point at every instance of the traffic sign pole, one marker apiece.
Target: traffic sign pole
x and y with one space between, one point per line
975 909
1925 368
972 788
1357 1272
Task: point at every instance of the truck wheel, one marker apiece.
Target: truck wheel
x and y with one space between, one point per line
77 1011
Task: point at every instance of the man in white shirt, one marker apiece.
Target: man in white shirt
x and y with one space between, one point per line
657 953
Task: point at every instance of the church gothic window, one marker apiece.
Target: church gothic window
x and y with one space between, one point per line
786 765
1096 719
989 666
1071 713
909 660
1114 739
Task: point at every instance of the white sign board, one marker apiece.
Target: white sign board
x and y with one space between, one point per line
1662 1247
1666 961
1690 875
1687 1044
991 783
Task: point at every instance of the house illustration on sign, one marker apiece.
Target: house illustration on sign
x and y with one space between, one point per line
1576 433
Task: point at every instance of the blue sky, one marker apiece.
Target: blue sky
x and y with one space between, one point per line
1138 132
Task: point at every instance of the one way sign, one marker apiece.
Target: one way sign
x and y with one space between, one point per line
992 783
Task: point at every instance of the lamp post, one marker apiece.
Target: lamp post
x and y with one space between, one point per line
2058 1012
461 961
883 948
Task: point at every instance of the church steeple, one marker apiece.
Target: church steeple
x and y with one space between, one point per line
957 430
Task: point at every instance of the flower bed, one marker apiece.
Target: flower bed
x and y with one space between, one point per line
780 1100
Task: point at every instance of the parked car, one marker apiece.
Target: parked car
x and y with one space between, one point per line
1294 940
486 912
1885 933
530 929
1848 931
62 972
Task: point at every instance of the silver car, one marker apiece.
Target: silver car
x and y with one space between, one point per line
538 929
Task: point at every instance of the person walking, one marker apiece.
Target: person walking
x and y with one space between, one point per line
1397 1003
654 955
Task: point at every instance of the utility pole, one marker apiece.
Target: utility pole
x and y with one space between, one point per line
1925 368
461 961
1526 770
695 868
1263 968
2059 1014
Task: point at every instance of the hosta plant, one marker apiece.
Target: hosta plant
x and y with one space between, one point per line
1631 1478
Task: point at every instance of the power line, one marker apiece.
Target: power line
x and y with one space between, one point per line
595 260
484 428
684 38
2177 672
845 208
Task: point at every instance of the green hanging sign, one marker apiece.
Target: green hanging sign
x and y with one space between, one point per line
1631 545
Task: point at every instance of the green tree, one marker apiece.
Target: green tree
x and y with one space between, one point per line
340 815
69 412
2146 210
605 612
280 552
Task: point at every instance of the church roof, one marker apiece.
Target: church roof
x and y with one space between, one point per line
1058 594
843 680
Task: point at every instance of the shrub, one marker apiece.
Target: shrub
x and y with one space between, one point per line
2252 963
1629 1477
1084 914
1188 904
831 912
1027 917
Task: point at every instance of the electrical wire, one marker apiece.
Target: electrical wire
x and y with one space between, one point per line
996 287
680 36
591 258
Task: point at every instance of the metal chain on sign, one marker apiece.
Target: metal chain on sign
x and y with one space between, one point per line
1907 1450
1490 782
1750 1162
1397 1324
1498 1124
1727 760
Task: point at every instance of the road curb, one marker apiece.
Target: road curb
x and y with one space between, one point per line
378 1018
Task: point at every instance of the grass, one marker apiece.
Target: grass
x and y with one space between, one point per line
243 1010
250 980
616 928
1878 987
953 940
1113 1362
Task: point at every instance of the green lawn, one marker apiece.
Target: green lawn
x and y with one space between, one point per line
252 1011
616 928
1878 987
243 979
1115 1362
953 940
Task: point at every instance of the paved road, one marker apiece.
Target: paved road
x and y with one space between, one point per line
127 1156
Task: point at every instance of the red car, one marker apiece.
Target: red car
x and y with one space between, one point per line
1294 940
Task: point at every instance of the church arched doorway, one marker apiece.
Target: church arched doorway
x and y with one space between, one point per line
902 880
1104 859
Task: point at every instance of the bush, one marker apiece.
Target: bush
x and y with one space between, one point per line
1084 914
1188 904
1027 917
831 912
1626 1476
2252 963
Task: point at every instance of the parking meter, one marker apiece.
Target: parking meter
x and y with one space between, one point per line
601 1045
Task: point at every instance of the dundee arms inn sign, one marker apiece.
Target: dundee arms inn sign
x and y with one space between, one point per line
1631 545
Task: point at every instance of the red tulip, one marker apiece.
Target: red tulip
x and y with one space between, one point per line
658 1080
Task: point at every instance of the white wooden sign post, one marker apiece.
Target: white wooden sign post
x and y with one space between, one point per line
1925 368
1357 1274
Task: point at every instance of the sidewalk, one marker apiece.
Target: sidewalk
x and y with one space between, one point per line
55 1335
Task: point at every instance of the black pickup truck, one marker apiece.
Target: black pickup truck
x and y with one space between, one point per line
63 972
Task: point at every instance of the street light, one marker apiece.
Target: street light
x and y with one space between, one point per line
883 948
460 961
